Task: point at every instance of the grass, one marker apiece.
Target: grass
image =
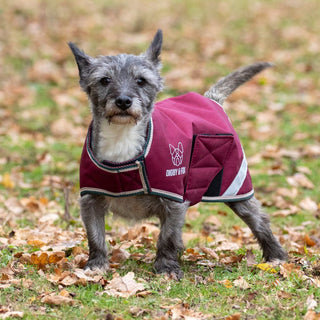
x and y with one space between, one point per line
205 41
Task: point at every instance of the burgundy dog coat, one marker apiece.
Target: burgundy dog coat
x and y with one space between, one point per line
192 153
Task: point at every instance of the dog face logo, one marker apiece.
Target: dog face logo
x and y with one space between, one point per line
176 154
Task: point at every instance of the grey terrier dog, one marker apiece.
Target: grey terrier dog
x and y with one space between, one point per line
122 171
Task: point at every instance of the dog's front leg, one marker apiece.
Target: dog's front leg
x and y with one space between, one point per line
170 245
93 209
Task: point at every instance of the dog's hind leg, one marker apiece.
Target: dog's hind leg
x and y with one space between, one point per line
93 209
170 244
258 221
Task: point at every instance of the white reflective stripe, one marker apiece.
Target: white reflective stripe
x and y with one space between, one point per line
239 179
238 197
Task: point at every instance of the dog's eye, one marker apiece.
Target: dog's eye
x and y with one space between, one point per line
105 81
141 81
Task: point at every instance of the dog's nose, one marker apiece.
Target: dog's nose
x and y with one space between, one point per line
123 102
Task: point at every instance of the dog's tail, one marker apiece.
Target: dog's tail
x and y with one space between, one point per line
225 86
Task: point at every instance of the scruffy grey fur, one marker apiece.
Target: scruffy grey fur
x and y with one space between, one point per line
121 91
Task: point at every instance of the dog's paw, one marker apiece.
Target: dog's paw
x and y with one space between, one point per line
169 267
277 256
97 265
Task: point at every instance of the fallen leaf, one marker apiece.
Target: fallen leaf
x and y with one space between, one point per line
11 314
80 260
119 255
183 311
300 180
312 315
14 205
210 252
7 182
241 283
251 259
311 303
124 286
290 193
234 258
64 293
57 300
309 242
266 267
308 204
228 246
286 212
287 268
213 220
227 283
236 316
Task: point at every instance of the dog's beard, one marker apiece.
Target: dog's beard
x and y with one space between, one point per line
123 118
130 116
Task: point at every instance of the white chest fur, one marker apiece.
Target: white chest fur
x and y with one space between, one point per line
118 142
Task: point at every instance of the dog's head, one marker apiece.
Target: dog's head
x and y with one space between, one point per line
121 88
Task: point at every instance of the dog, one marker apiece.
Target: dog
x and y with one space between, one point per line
121 91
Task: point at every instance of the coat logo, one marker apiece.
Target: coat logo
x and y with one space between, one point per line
176 154
177 158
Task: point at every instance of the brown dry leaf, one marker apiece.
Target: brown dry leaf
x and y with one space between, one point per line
236 316
11 314
287 268
78 277
124 286
214 220
68 280
228 246
119 255
14 205
88 276
57 300
251 259
32 204
231 259
40 260
141 231
80 260
308 204
312 315
183 311
188 236
227 283
241 283
56 256
64 293
193 213
210 252
36 243
309 242
300 180
24 258
311 303
290 193
286 212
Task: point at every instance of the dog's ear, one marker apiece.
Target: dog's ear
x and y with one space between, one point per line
172 149
154 50
83 62
180 147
